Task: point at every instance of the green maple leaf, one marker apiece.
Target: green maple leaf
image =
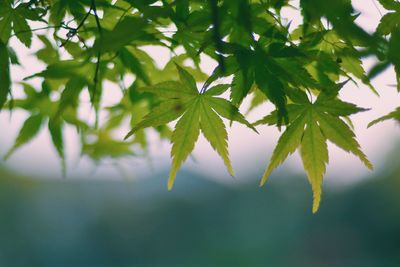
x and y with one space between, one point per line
196 111
22 29
183 138
394 115
56 133
28 131
287 144
5 80
388 23
390 4
6 22
314 154
312 124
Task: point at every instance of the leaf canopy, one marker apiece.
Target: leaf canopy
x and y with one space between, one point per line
91 46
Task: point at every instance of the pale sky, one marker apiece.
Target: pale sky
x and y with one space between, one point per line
249 152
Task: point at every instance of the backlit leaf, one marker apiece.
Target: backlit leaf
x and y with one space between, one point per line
314 154
287 144
341 135
214 130
183 138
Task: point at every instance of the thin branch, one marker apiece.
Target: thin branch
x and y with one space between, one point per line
377 8
97 70
42 28
73 31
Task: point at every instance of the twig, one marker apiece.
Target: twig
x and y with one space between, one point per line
42 28
97 70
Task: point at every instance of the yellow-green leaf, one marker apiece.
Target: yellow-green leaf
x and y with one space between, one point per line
341 135
314 154
214 131
169 90
227 110
187 79
217 90
164 113
392 115
183 138
287 144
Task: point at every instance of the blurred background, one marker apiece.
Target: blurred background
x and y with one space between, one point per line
119 213
54 222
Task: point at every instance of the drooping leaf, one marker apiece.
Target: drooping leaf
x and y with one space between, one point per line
394 115
56 133
164 113
271 86
22 29
341 135
70 95
5 81
241 85
337 107
214 130
48 54
29 130
314 154
321 123
287 144
183 138
6 17
132 62
227 110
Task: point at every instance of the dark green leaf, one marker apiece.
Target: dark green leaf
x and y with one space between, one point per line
5 81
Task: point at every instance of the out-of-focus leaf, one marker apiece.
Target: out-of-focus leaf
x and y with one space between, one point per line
22 30
56 133
6 17
29 130
388 23
5 81
130 61
70 95
127 30
390 4
48 54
